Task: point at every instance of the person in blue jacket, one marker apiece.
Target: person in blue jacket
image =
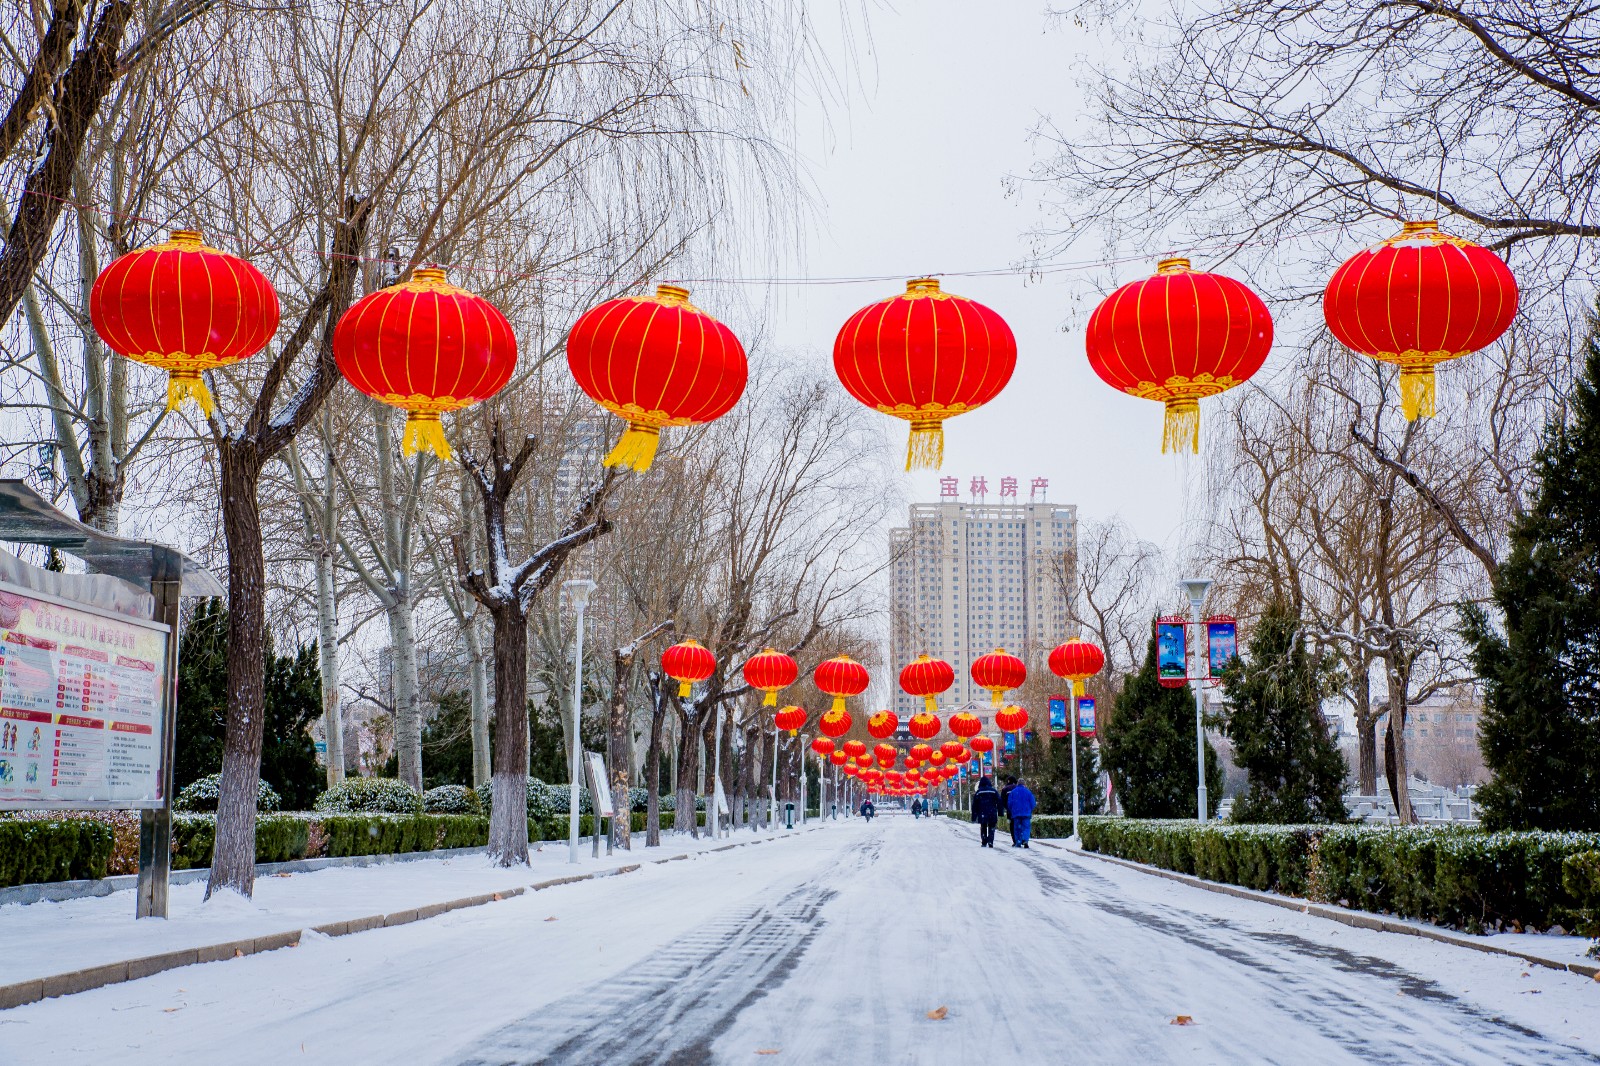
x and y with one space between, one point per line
1019 806
985 811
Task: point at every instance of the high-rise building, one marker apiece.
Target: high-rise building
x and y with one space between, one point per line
967 578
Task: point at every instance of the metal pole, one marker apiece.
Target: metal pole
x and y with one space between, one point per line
716 778
578 592
777 738
1196 589
804 779
1072 725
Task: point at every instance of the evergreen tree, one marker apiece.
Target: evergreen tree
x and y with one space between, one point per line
1540 729
447 742
1279 735
293 702
1048 770
1148 748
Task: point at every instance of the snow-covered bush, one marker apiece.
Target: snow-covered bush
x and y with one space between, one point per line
370 795
638 798
544 801
201 796
451 799
668 803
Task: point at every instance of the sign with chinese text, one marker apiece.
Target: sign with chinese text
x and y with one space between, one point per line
1086 723
1222 644
1172 665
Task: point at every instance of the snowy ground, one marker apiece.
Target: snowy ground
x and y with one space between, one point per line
832 947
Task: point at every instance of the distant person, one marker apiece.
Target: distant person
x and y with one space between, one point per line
916 808
1019 806
868 810
985 811
1007 783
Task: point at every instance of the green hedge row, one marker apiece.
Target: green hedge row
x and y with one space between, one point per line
1045 826
33 851
1460 877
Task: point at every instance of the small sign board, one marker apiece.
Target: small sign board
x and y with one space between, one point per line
1172 660
1086 723
1058 716
599 784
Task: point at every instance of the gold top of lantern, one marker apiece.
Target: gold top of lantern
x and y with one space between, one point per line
1176 265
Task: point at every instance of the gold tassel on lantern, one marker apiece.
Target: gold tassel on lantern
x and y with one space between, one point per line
1181 430
771 700
1418 392
188 384
926 448
995 695
932 703
637 448
684 688
424 433
838 704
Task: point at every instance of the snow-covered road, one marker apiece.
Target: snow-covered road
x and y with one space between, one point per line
833 947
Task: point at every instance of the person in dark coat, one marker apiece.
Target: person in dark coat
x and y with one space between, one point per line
868 810
916 808
1019 807
985 811
1007 784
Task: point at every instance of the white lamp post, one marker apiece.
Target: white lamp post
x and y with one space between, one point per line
1195 588
577 591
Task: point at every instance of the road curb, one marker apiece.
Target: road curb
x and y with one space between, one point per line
1356 919
35 989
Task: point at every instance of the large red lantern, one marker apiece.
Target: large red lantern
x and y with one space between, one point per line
822 746
965 724
655 361
426 347
834 723
920 752
687 663
925 356
185 308
982 744
790 719
841 677
883 724
927 677
1011 719
923 726
950 749
886 754
999 671
1077 661
770 670
1178 337
854 748
1418 299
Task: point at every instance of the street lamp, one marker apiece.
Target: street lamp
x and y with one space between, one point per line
577 590
1195 588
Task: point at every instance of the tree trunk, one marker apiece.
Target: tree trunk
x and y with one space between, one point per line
652 756
1397 723
478 672
1367 754
233 863
617 756
684 819
508 820
328 658
407 697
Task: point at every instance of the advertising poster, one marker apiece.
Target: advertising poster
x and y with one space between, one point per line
1010 742
1086 724
1171 662
1222 644
1058 716
80 705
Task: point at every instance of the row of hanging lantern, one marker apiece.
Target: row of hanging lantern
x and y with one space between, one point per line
1414 300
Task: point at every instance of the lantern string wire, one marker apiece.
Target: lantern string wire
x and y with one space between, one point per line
1033 269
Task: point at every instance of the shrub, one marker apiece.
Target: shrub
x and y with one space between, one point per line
638 799
279 838
544 801
1580 876
201 796
396 835
65 850
370 795
451 799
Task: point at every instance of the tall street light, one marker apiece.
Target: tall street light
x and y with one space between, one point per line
1195 588
577 590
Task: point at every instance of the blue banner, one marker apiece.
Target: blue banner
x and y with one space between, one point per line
1171 660
1086 723
1222 644
1058 716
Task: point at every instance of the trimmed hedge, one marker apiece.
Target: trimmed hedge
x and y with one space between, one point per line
279 838
68 850
1459 877
397 835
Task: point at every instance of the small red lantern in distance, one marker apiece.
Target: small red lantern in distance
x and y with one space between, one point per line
851 770
853 748
1178 337
999 672
822 746
886 751
924 726
1418 299
938 758
864 760
841 677
655 361
770 671
791 719
835 723
687 663
920 752
965 724
982 744
838 758
883 724
184 308
426 347
950 748
925 356
1011 719
963 758
927 677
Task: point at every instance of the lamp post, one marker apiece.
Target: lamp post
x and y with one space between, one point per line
577 590
1195 588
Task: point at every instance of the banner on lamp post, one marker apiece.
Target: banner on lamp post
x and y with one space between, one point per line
1172 659
1058 716
1086 719
1222 645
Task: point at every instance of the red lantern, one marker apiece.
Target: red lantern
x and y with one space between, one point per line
1011 719
951 748
982 745
655 361
822 746
998 672
965 724
841 677
791 719
1077 660
923 726
883 724
426 347
925 356
920 752
687 663
834 723
964 758
770 671
185 308
927 677
863 760
850 770
938 758
1418 299
838 758
1177 337
854 748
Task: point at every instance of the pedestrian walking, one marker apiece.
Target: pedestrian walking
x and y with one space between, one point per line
985 811
1019 806
916 808
1007 783
868 810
